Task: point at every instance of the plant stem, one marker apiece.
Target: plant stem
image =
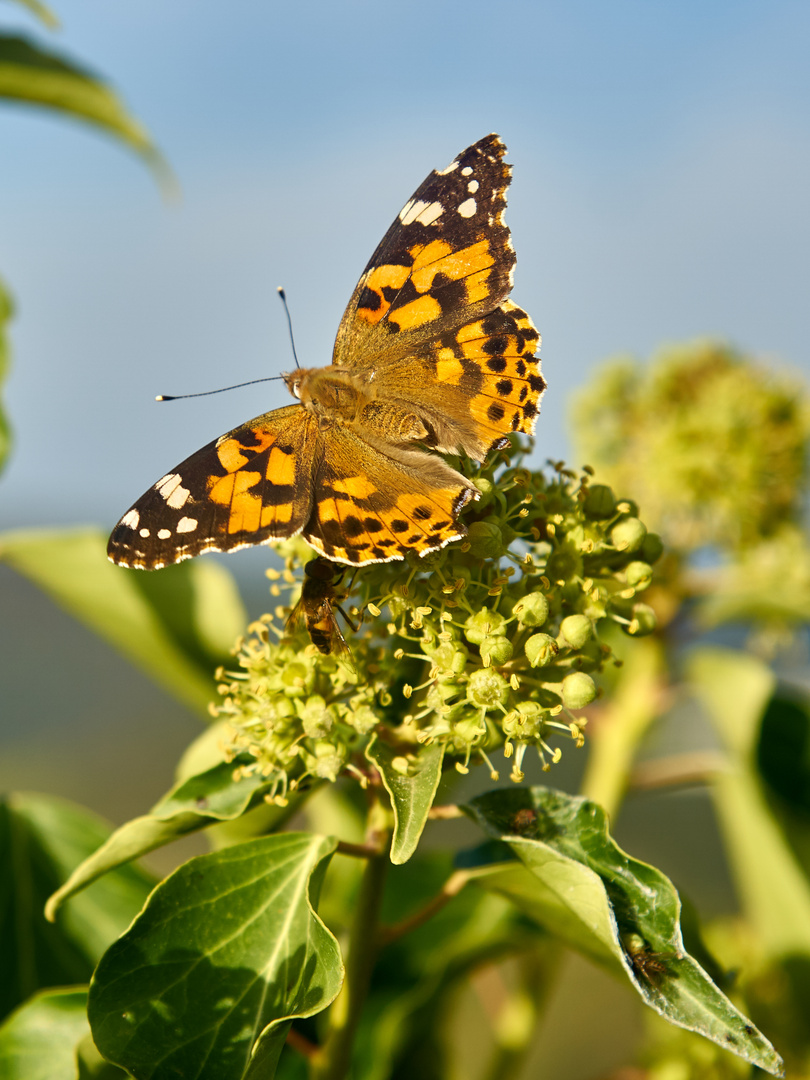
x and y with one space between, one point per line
334 1060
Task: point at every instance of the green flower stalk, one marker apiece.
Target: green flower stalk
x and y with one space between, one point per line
491 644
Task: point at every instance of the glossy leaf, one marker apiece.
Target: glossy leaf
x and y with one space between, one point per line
227 951
39 1041
629 907
41 840
194 804
176 625
33 75
412 788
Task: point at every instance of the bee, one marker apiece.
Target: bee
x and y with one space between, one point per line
320 599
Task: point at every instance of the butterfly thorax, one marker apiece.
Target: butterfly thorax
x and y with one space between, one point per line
333 394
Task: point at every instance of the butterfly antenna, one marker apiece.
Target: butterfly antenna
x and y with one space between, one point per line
222 389
283 296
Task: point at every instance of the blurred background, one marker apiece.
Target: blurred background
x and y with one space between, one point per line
662 165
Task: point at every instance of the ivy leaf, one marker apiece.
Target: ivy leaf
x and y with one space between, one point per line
33 75
228 950
41 838
39 1041
631 908
412 791
194 804
176 626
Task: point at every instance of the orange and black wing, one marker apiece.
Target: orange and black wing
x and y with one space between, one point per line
446 260
250 486
375 505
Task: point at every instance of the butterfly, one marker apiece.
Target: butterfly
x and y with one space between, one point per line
316 608
430 355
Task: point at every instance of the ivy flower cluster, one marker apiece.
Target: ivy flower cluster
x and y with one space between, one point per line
491 644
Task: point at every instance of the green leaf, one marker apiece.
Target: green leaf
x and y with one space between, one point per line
412 791
36 76
194 804
176 624
227 949
41 838
631 908
6 313
43 13
735 688
39 1041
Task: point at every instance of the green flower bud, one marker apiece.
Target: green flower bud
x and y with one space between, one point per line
485 540
523 722
487 489
327 759
652 548
470 731
643 621
578 690
496 651
363 719
316 719
628 534
563 565
600 502
487 688
449 657
484 624
531 609
638 575
540 650
576 630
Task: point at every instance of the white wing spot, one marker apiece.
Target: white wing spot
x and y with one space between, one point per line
430 214
144 533
171 491
164 534
424 213
473 186
450 168
466 171
186 524
131 519
468 208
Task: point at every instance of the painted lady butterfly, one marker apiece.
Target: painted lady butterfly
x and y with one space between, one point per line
429 355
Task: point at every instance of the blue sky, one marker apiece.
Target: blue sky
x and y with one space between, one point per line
660 193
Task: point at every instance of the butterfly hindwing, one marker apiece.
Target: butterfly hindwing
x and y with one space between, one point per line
374 506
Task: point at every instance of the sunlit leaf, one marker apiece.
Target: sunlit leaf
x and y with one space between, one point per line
39 1041
412 785
631 908
227 950
41 840
162 622
33 75
194 804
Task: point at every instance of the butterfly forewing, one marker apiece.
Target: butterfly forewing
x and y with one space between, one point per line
250 486
446 258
